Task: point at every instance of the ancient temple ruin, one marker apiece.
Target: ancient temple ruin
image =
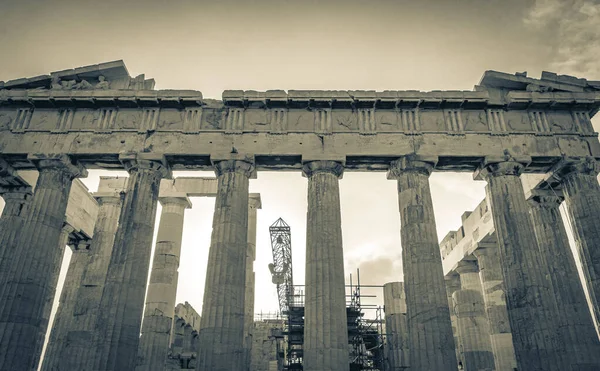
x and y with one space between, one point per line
510 290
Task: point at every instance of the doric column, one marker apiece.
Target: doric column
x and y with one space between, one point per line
579 180
162 289
431 342
253 205
28 263
574 321
221 337
396 330
494 297
122 303
17 201
325 326
528 295
72 343
471 321
452 284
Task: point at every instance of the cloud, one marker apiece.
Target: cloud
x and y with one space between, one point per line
573 28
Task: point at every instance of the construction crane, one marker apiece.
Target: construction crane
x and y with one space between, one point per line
281 268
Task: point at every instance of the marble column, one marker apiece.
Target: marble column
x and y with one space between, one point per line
453 284
122 303
579 181
531 307
162 289
431 342
17 201
396 331
325 323
253 205
71 345
494 298
471 320
574 321
221 336
28 263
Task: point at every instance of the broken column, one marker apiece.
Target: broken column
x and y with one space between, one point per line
431 342
395 324
452 284
579 180
325 324
162 289
573 321
471 320
28 261
253 205
221 336
529 298
494 298
122 303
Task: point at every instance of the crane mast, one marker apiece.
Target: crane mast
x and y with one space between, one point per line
281 268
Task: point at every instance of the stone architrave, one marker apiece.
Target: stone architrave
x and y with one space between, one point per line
431 342
162 289
72 343
325 323
395 324
28 262
254 204
579 181
453 284
221 336
471 320
494 297
122 303
574 321
530 305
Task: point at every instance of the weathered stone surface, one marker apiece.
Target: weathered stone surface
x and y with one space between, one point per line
254 203
431 342
122 303
574 321
162 289
184 338
453 284
494 297
221 337
471 320
28 263
264 345
325 326
396 327
72 343
529 300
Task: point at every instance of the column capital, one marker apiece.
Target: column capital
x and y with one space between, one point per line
485 249
416 163
234 166
575 165
545 198
10 181
311 168
176 199
254 201
109 197
60 161
466 266
146 161
452 281
17 192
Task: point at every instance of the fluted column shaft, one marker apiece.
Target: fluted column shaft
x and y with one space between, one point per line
452 285
28 263
253 206
472 324
325 322
72 343
574 321
221 336
528 294
582 197
162 289
13 215
431 342
494 297
396 327
122 303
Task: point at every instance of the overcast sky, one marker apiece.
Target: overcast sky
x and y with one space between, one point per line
354 45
